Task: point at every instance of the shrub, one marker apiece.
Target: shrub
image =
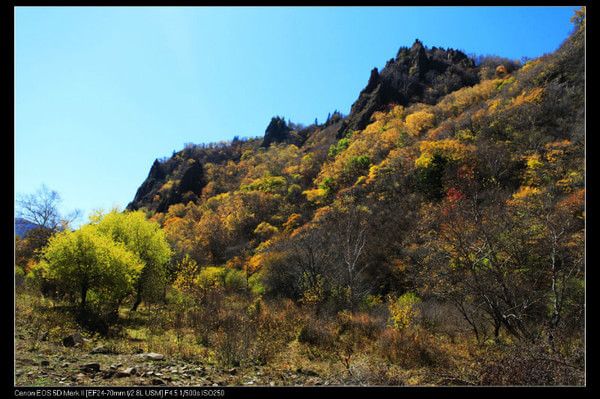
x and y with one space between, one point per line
269 184
272 330
419 121
337 148
359 163
214 277
255 284
359 324
251 332
265 230
317 333
403 311
234 280
531 364
230 341
211 276
187 271
410 348
19 276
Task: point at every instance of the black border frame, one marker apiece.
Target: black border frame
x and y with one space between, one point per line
7 222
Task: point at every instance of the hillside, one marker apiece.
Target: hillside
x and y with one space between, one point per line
416 75
417 126
22 226
433 236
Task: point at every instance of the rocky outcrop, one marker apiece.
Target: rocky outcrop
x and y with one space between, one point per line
417 74
150 186
277 132
188 181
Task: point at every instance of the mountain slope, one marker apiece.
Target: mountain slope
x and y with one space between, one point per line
516 137
417 74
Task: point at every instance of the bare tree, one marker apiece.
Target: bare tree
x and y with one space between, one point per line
353 239
41 208
309 262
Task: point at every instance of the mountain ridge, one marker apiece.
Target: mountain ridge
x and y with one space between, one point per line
416 74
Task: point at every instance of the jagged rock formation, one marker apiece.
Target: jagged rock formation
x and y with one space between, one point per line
417 74
180 178
277 132
149 187
189 184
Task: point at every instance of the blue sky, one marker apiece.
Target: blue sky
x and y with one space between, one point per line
101 92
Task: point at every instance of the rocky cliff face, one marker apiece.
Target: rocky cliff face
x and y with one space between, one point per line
417 74
277 132
149 187
187 186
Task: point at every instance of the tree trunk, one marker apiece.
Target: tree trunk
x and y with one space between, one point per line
138 301
84 290
497 326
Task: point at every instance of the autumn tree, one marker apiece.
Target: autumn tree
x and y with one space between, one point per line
89 264
418 122
147 241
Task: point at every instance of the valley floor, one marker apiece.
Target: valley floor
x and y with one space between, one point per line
41 359
143 352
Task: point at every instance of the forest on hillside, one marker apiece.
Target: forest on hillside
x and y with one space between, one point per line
435 235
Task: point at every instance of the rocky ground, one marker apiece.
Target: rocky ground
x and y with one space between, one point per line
52 350
51 363
55 364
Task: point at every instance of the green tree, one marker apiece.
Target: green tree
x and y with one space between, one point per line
145 239
88 264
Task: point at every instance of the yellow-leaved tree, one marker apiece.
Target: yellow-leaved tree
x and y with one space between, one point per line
88 264
147 241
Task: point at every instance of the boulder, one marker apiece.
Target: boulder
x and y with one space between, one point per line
128 372
153 356
90 367
100 349
108 374
72 340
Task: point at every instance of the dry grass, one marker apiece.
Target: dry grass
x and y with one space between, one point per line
294 346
